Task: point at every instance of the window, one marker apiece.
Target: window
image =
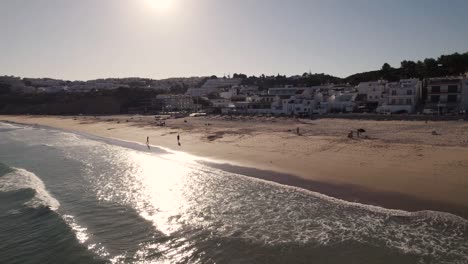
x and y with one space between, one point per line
393 92
452 88
409 92
393 101
408 101
435 98
435 89
452 98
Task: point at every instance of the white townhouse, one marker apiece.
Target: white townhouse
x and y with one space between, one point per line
342 102
403 96
297 105
444 94
374 91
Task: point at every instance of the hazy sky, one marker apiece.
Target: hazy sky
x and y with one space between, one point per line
87 39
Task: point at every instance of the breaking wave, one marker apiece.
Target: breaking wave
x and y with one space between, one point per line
18 179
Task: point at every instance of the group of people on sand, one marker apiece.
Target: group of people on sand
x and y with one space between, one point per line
149 146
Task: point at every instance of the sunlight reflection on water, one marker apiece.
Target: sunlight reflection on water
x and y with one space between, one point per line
192 205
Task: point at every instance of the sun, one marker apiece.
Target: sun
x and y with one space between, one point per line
160 4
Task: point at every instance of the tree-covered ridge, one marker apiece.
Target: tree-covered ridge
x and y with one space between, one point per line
446 65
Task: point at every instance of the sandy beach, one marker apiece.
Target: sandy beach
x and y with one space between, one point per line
399 164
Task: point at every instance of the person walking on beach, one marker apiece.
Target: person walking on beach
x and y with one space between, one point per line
178 139
147 142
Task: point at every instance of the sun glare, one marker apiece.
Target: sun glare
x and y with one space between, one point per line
160 4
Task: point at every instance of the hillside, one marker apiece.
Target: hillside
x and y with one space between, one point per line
445 65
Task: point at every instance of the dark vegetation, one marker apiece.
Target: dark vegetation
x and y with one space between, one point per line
102 102
446 65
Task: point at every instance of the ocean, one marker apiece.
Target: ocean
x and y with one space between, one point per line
71 198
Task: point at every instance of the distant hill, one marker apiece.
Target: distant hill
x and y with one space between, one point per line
446 65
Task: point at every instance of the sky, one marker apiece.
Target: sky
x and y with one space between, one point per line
89 39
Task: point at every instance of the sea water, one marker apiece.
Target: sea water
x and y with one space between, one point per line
68 198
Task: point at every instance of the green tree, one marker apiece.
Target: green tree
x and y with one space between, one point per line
386 67
408 69
239 76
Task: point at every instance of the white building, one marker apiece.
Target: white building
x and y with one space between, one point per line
444 94
402 96
374 91
298 106
219 85
464 105
173 102
342 102
221 103
231 92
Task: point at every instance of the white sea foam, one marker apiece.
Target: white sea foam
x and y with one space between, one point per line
9 125
80 232
83 236
23 179
275 214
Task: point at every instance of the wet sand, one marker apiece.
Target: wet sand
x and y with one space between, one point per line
349 192
400 165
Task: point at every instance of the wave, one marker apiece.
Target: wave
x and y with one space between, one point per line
19 179
9 125
273 214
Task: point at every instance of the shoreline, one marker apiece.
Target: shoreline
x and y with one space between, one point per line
451 200
349 193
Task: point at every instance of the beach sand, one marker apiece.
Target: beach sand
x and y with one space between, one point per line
400 164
